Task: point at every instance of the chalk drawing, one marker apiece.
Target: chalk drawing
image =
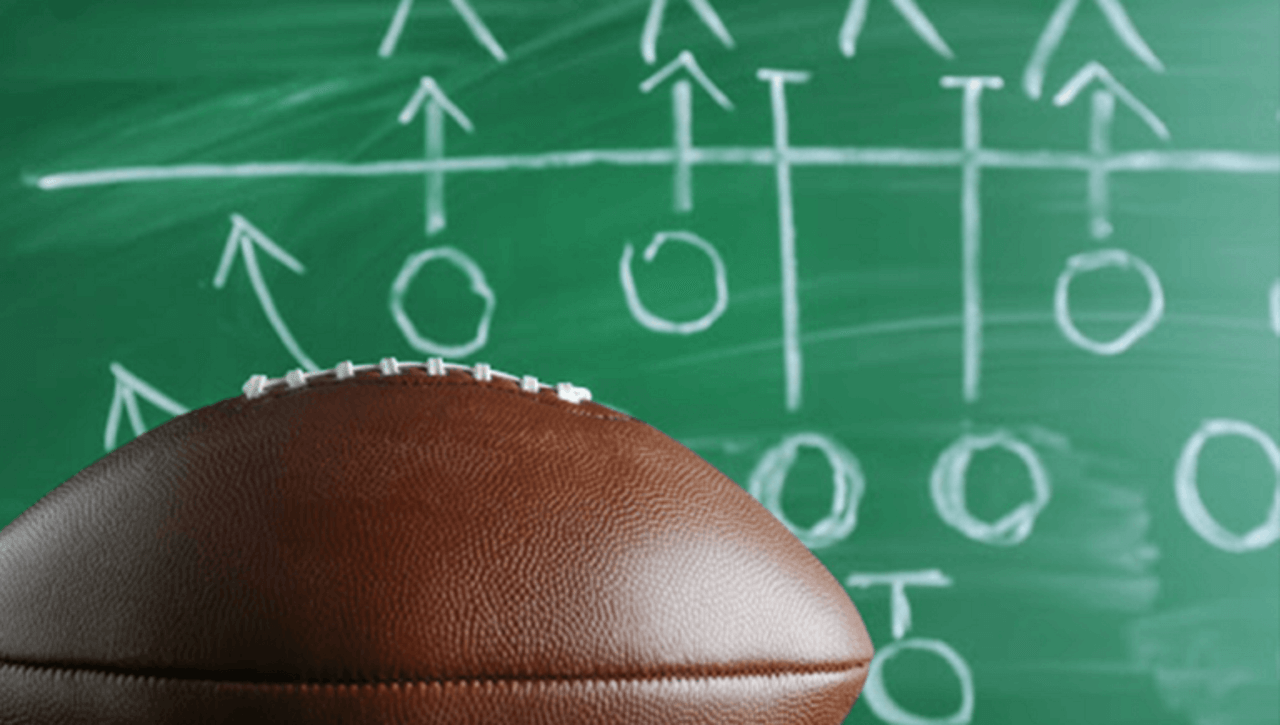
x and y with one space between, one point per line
1051 37
392 36
1100 259
1187 492
124 399
1206 161
1094 70
948 481
435 104
770 476
874 692
659 324
857 17
899 605
971 225
1274 307
887 709
781 157
682 120
242 238
791 360
463 8
653 25
479 287
1102 112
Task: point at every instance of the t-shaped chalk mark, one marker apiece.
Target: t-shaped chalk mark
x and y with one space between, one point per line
898 581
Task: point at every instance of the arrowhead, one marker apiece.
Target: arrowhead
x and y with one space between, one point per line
430 92
242 237
653 23
686 61
125 401
1095 71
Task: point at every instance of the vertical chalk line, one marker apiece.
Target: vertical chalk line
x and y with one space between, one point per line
434 143
1103 110
971 224
682 119
791 357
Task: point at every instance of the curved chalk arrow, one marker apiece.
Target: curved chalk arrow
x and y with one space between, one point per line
242 238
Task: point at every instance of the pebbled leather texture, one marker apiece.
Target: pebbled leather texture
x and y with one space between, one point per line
415 549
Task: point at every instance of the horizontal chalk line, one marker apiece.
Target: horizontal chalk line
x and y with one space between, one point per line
1135 161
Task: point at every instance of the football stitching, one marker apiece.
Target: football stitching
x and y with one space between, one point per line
434 371
258 385
801 671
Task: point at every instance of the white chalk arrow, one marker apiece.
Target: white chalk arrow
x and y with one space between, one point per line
435 104
463 8
1103 102
125 400
243 237
653 25
1056 28
682 116
856 18
430 94
1095 71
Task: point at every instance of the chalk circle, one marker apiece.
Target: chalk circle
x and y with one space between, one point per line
409 271
1099 259
948 481
1187 492
887 709
770 476
659 324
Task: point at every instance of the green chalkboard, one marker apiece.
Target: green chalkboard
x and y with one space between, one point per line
980 297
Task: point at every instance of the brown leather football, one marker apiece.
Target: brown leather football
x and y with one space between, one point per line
415 543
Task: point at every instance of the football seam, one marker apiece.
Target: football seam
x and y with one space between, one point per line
512 681
423 380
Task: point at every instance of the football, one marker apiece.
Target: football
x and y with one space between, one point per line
415 543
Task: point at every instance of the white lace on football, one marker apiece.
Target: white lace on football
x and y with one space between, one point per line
259 385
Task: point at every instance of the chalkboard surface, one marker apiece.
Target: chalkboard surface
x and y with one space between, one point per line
981 298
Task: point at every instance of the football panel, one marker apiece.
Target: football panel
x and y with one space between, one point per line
233 538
